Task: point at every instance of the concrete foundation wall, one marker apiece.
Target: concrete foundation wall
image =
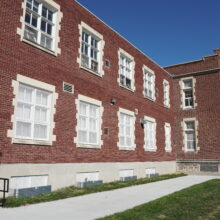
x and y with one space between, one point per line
62 175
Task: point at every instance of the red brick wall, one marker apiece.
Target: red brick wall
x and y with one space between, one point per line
207 111
17 57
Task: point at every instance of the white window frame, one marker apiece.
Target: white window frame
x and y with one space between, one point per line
168 143
83 27
58 15
166 93
185 131
42 86
132 115
82 98
128 57
146 73
183 89
154 135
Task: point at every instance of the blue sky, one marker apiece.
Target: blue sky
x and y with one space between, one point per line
168 31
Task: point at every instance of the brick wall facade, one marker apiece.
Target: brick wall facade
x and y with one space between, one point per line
206 73
17 57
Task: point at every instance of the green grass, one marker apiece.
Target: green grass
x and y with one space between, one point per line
199 202
75 191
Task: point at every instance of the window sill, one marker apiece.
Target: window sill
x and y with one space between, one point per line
166 106
168 150
88 146
126 148
124 87
91 71
150 150
39 47
150 99
31 142
188 108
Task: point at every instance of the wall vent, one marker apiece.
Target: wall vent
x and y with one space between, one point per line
68 87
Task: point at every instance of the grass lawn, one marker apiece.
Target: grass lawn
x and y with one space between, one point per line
199 202
75 191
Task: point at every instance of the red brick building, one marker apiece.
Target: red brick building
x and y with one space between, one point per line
78 102
196 92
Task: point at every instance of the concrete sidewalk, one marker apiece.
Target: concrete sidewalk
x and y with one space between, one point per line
90 207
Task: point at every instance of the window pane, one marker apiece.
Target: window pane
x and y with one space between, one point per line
190 125
43 25
49 29
92 137
82 137
82 122
34 21
50 15
188 83
44 12
23 129
27 18
82 108
30 34
40 131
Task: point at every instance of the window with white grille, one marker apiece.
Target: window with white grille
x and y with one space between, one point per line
190 135
33 113
89 119
150 134
40 23
166 93
149 84
90 51
126 130
126 72
167 137
188 93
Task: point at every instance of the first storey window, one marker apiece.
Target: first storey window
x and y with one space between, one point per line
150 134
126 130
40 24
90 51
188 93
167 137
88 128
190 135
149 84
33 113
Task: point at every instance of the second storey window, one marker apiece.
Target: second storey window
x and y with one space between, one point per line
88 129
188 93
40 24
149 83
125 72
190 140
33 113
90 55
166 92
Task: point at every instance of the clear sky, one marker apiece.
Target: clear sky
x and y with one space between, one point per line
168 31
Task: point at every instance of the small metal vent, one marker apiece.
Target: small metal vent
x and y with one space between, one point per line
68 87
107 63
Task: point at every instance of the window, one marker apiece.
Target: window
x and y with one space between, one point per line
41 24
34 105
91 50
166 92
150 134
126 173
87 176
149 83
89 120
126 129
88 123
167 137
190 135
33 113
126 70
188 92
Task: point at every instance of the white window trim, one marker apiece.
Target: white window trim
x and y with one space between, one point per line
41 85
124 53
166 83
167 125
132 114
86 27
182 95
197 148
20 31
155 136
94 102
145 68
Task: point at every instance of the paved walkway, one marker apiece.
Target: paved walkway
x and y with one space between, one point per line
90 207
